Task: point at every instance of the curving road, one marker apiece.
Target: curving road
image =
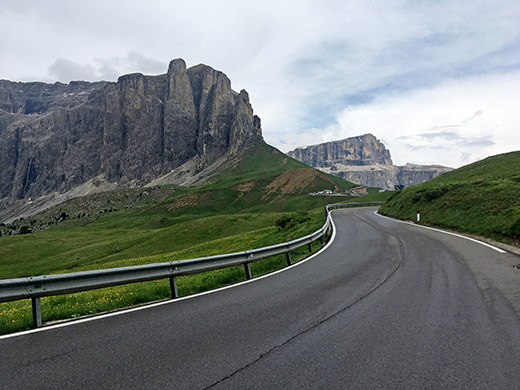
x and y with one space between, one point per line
387 305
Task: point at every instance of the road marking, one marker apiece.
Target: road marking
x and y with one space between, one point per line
445 232
170 301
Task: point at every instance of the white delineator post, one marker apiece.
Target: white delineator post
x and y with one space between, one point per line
418 216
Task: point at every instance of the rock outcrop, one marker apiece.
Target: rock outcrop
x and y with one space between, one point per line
55 138
364 160
363 150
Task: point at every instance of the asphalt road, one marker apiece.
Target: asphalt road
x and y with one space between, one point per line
386 306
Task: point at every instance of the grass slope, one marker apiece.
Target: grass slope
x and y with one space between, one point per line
239 210
481 198
126 224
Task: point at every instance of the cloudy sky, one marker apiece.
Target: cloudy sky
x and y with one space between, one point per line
437 81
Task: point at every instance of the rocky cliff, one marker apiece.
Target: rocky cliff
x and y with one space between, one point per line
363 150
58 138
365 160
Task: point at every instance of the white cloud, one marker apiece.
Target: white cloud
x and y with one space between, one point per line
108 69
303 62
453 124
65 70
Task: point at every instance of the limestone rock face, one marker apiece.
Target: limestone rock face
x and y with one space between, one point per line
56 137
366 161
362 150
37 98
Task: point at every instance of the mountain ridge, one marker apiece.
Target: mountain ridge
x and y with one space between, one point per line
82 137
364 160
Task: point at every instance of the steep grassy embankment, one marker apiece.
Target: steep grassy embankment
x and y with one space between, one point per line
481 198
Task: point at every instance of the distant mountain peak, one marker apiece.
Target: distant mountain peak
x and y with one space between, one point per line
361 150
364 160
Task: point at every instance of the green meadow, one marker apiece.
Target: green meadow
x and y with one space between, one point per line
260 200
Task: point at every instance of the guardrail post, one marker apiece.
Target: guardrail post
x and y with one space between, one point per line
248 271
288 257
37 312
173 287
310 246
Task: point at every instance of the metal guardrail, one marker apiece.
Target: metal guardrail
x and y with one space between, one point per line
36 287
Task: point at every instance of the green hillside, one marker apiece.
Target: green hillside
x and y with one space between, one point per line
258 200
481 198
248 195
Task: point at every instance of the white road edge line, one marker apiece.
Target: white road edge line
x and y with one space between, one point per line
445 232
171 301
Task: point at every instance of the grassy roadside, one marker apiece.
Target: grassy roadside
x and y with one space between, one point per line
237 211
238 235
16 316
481 198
